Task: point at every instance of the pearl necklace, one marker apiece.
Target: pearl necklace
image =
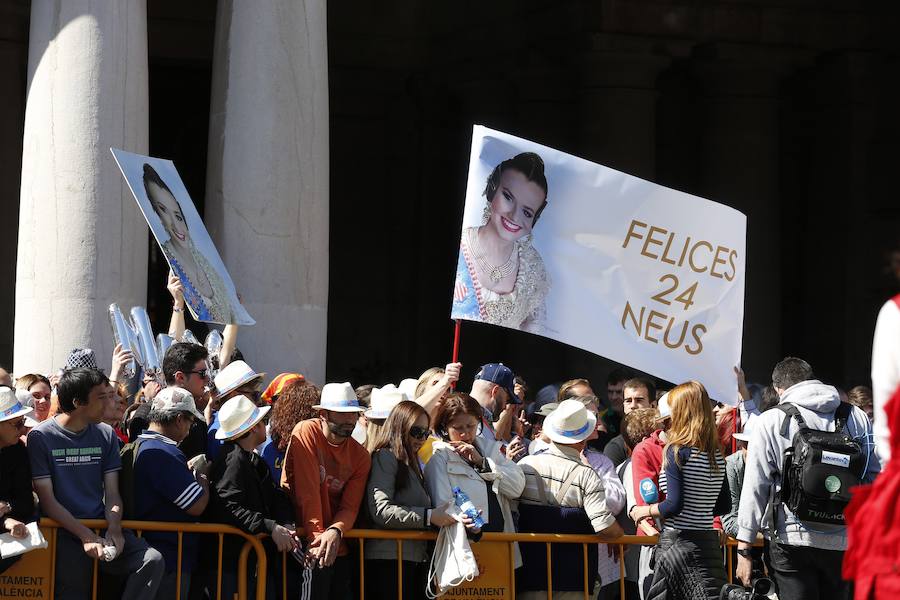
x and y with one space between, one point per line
495 272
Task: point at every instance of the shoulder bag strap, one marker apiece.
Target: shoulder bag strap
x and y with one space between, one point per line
561 494
842 416
791 411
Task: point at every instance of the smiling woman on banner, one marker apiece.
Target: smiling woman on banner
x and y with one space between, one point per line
204 288
500 276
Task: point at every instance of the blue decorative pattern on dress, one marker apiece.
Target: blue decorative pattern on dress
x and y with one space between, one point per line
191 295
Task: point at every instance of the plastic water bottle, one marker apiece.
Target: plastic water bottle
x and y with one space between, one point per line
465 505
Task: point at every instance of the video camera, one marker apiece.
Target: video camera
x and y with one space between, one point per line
759 591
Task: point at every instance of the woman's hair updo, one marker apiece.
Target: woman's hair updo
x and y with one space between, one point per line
528 164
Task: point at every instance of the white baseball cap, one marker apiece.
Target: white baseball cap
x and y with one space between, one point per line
744 435
175 399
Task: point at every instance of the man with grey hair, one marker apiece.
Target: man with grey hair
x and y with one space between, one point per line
181 495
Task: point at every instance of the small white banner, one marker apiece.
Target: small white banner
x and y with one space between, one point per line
565 248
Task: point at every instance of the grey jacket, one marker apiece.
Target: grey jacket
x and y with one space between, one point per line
734 472
392 508
762 473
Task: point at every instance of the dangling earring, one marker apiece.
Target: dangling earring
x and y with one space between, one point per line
486 215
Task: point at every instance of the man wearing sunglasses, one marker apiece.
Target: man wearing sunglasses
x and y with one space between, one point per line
185 366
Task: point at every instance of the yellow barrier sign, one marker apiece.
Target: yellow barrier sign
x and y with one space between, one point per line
30 576
493 582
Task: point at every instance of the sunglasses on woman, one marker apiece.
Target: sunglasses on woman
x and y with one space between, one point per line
419 433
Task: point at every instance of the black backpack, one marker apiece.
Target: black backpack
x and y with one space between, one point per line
820 467
128 454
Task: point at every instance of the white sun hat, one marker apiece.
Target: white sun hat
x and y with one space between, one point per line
338 397
570 423
408 387
10 405
236 374
237 416
383 400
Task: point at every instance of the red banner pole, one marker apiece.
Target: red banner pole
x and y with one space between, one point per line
456 347
736 418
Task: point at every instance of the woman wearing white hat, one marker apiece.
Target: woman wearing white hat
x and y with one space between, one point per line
382 401
244 494
16 499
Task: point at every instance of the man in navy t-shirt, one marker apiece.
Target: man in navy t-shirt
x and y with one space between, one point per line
179 496
75 468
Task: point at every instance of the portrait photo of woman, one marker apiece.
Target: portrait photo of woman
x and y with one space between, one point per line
204 290
192 256
500 276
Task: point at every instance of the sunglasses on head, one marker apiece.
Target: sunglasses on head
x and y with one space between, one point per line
419 433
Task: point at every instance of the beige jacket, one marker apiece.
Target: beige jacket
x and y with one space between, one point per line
447 470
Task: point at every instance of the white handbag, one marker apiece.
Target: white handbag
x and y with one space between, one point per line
453 562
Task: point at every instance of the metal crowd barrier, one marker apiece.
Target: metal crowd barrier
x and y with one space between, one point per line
546 538
254 543
139 527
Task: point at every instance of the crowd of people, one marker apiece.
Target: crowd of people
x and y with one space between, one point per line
304 464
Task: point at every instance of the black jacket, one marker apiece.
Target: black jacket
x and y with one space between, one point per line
15 483
244 493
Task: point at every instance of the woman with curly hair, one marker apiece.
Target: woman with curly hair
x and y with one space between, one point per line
295 404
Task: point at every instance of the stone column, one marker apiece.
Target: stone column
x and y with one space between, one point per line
267 176
82 240
739 158
618 104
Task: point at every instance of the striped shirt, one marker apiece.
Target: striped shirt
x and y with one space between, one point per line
692 489
550 469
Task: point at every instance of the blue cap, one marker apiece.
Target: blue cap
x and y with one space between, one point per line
501 375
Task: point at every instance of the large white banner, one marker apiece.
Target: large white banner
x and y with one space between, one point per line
562 247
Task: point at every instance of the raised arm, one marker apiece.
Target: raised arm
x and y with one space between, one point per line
229 343
121 357
176 323
429 398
